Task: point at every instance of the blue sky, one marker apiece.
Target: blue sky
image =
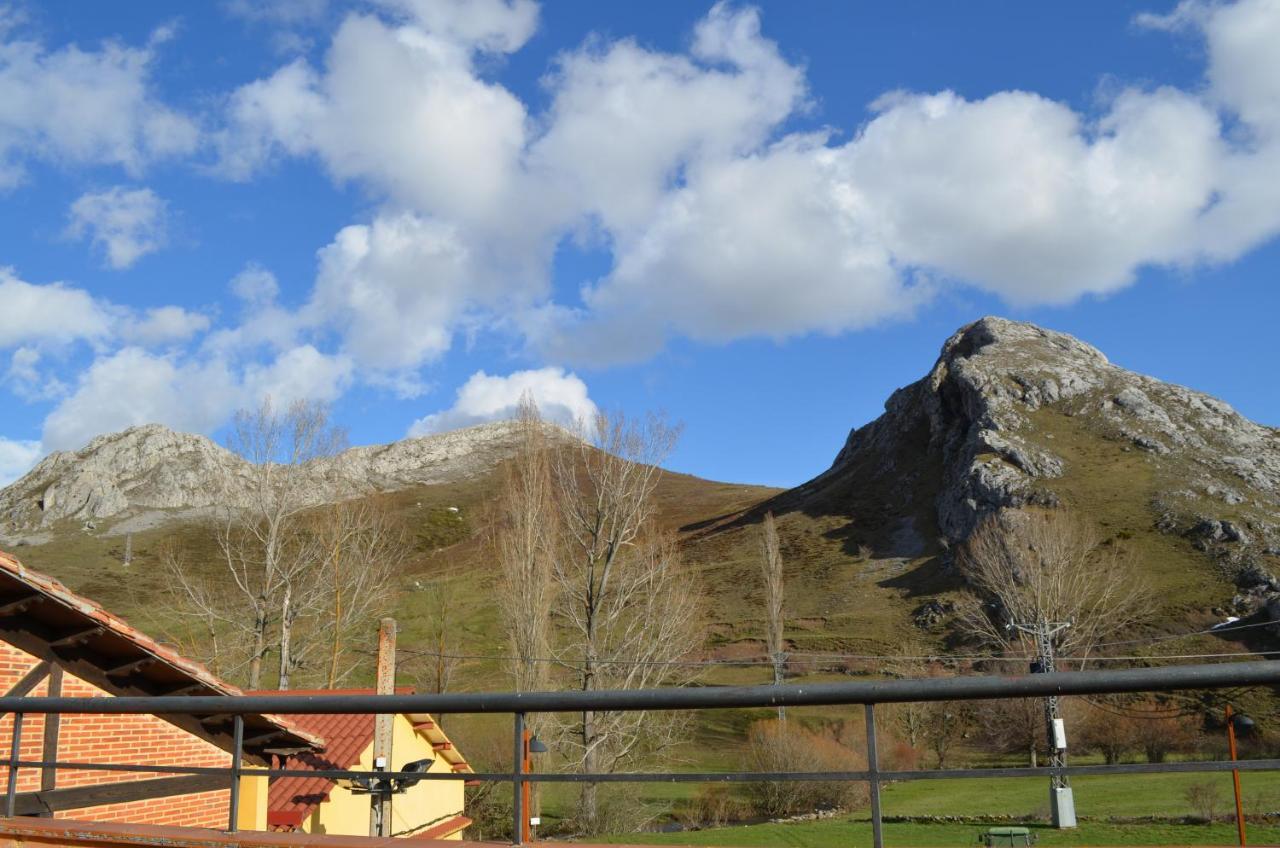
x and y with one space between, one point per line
760 218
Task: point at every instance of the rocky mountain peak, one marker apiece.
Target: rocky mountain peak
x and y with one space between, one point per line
1013 414
152 470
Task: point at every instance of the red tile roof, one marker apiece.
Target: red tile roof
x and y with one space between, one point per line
112 631
291 799
448 827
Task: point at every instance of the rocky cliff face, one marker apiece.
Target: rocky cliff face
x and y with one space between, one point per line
1012 414
152 469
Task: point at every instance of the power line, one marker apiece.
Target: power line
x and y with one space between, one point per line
1217 629
812 658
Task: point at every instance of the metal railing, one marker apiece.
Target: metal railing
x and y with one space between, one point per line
519 704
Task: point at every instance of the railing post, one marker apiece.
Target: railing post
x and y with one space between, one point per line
237 763
517 785
15 754
873 766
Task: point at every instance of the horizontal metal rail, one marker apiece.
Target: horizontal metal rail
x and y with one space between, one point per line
687 777
866 693
965 688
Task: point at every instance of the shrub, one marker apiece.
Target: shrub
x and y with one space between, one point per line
780 746
1204 797
714 806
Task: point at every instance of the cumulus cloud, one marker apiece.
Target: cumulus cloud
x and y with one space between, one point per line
164 325
133 386
16 458
397 106
83 107
302 373
191 393
126 224
394 289
52 313
561 397
722 221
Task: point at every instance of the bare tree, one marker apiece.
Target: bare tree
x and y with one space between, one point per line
359 546
1047 566
946 724
771 571
525 543
442 657
910 717
1014 726
265 579
626 607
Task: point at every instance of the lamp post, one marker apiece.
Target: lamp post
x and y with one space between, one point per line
532 745
1244 724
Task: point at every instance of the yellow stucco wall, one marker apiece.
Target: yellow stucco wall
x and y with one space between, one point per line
253 801
422 806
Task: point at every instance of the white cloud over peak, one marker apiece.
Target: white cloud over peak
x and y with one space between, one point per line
721 220
126 224
133 386
16 458
83 107
561 398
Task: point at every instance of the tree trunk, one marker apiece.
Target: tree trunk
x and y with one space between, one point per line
259 649
286 637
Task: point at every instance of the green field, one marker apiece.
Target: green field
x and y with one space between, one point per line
848 833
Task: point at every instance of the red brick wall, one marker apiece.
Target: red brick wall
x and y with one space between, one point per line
122 739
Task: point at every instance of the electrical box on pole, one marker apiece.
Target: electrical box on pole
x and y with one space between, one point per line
1062 805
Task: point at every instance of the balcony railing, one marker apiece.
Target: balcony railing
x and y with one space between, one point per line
520 704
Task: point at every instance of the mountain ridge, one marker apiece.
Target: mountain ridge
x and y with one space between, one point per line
151 468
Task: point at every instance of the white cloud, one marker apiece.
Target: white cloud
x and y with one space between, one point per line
164 325
126 223
495 26
721 221
255 286
133 386
16 458
625 119
84 107
52 313
399 107
561 397
26 379
302 373
394 290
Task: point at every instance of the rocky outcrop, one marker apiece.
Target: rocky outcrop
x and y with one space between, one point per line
970 422
152 468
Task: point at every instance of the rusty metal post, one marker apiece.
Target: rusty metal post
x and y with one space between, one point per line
517 784
1235 773
526 791
237 764
15 754
383 729
873 767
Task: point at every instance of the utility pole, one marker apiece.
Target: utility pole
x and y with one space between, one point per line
1061 801
383 726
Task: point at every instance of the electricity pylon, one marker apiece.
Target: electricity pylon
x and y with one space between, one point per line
1061 801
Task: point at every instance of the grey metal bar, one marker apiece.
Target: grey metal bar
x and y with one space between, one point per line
237 763
974 687
15 756
517 785
873 768
695 777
